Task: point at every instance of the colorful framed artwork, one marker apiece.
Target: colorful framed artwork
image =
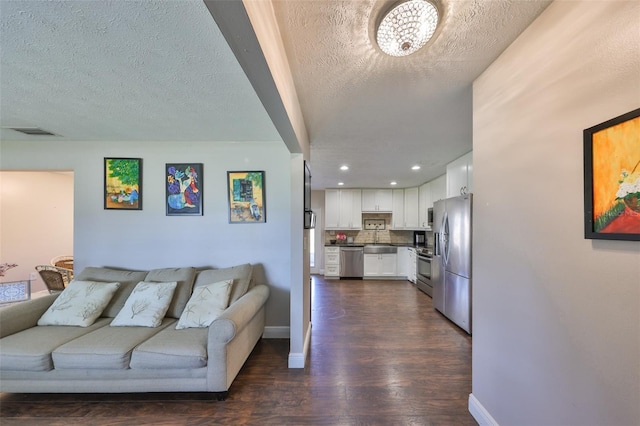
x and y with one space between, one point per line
246 195
123 183
183 184
612 179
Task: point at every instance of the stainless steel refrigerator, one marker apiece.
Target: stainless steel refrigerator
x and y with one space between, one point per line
451 266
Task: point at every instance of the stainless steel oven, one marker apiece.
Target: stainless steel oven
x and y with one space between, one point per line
423 272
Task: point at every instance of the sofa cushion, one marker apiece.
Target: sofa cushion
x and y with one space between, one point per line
241 276
146 305
206 304
30 350
172 348
80 303
127 280
184 277
107 348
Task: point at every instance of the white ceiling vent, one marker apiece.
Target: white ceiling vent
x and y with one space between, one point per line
32 131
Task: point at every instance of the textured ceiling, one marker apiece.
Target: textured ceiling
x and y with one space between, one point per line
120 70
381 115
161 70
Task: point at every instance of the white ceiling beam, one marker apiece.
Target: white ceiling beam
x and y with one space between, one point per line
251 30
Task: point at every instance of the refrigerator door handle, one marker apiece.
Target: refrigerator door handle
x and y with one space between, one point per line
445 239
436 244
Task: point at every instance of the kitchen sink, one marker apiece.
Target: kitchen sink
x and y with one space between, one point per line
379 249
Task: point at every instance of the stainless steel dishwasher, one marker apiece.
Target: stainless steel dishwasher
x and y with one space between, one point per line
351 262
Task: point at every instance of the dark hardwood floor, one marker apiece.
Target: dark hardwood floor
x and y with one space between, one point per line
380 355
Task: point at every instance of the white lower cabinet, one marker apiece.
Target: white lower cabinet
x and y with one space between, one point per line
403 262
380 265
412 266
332 262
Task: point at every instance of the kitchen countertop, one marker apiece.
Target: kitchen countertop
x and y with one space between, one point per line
372 244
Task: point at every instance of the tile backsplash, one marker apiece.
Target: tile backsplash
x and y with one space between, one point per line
385 236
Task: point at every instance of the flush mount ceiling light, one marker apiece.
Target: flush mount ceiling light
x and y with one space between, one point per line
407 27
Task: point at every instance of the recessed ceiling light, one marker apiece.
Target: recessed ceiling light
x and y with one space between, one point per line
415 168
340 183
394 183
344 167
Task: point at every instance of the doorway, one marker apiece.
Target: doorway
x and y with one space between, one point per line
36 218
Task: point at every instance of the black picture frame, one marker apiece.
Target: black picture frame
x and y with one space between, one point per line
309 221
122 183
307 187
184 189
612 179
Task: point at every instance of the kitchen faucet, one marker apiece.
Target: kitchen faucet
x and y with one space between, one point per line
375 235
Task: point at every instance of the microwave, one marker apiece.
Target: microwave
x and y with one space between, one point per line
430 217
309 219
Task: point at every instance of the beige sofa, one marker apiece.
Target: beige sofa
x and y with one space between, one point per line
101 358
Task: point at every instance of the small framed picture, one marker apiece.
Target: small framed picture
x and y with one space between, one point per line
183 184
612 179
123 183
246 196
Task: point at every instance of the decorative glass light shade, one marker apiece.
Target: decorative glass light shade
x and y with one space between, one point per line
407 27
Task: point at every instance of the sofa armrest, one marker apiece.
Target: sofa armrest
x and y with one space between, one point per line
236 316
23 315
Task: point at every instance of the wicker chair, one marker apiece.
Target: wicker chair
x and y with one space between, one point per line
65 266
65 262
53 277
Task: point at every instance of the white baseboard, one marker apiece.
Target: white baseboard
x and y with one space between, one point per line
479 413
298 360
274 332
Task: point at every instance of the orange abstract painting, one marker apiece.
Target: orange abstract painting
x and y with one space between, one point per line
612 178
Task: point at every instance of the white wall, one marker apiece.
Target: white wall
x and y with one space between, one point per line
556 317
300 313
150 239
36 221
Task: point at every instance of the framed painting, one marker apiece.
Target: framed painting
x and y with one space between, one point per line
183 185
246 195
123 183
612 179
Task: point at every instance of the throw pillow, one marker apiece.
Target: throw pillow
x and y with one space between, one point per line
146 305
241 276
79 304
205 305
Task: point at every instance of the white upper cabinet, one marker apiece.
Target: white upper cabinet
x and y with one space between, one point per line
460 176
439 188
377 200
350 209
343 209
332 208
425 203
397 215
405 209
411 208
